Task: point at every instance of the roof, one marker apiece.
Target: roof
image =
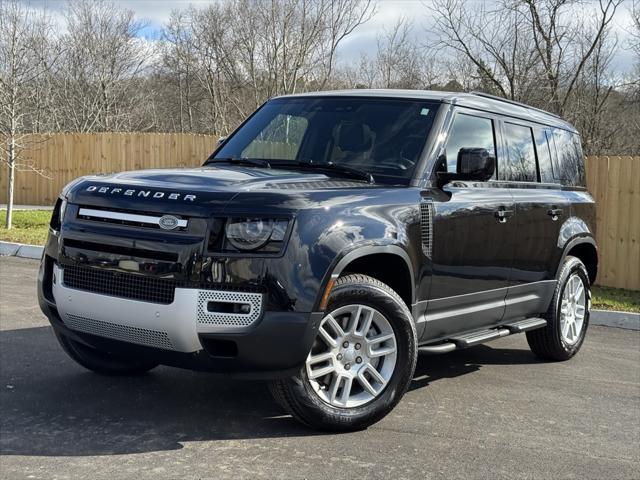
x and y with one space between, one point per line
475 100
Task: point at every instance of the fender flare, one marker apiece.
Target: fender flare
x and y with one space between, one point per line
579 240
364 251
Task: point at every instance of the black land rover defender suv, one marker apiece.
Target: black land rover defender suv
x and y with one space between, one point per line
326 242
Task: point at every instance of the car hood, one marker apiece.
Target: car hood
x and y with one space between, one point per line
195 191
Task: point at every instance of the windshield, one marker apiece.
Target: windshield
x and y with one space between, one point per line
381 137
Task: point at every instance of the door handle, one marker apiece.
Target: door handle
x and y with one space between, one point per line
554 213
503 214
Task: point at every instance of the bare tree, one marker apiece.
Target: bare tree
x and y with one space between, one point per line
400 61
230 57
23 46
215 64
97 76
495 39
177 67
529 50
592 108
635 41
288 46
560 44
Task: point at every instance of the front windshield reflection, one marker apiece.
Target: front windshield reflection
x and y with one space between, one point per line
381 137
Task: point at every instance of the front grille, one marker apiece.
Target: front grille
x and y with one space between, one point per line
125 285
130 218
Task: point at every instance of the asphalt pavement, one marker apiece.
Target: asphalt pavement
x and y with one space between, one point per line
492 411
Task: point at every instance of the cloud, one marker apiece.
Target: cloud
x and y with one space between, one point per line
388 13
155 13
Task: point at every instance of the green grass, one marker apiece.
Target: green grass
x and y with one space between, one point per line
29 226
607 298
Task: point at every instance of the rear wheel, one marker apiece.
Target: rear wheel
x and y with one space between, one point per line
361 363
102 362
567 317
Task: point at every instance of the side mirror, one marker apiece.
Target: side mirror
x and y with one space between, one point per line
475 164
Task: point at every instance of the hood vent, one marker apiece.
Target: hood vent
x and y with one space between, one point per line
314 185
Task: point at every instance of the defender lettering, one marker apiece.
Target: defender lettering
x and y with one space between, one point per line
140 193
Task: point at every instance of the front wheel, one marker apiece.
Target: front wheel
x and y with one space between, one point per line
361 362
567 317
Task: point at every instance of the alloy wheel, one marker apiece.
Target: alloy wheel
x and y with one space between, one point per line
353 357
573 308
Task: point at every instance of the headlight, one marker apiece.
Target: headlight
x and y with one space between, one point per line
248 234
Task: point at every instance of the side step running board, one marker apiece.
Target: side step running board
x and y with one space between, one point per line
476 338
526 325
483 336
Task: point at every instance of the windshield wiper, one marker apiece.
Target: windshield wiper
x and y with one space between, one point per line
254 162
326 167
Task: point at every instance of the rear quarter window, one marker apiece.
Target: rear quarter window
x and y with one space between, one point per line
543 147
568 166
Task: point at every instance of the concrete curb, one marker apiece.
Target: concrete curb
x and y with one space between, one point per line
607 318
21 250
16 208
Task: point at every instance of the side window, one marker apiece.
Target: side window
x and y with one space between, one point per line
581 179
569 168
520 164
469 132
543 147
280 139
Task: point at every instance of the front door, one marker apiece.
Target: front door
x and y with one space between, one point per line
472 240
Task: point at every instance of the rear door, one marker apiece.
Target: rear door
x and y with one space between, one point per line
472 238
541 208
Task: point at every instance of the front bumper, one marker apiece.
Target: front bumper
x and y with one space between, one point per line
258 343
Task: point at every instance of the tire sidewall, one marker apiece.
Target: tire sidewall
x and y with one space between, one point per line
573 266
402 324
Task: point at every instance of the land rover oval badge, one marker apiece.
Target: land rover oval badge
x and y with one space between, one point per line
168 222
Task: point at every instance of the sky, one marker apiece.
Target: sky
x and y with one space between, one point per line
156 12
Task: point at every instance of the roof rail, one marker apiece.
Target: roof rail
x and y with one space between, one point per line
513 102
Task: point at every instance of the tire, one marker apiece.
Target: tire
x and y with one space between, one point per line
102 362
549 343
375 301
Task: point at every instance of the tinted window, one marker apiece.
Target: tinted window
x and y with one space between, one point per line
281 138
568 166
520 164
544 154
469 132
382 137
581 179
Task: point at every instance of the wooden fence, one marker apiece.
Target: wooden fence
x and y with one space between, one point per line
613 181
63 157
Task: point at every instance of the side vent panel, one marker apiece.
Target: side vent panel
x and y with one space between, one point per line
426 227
